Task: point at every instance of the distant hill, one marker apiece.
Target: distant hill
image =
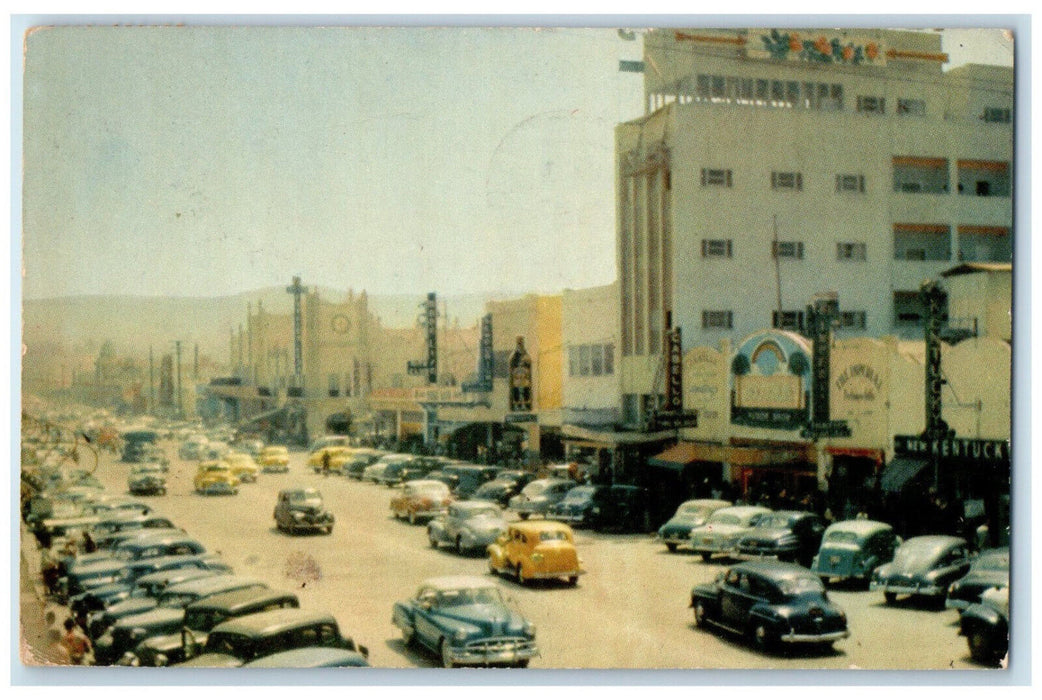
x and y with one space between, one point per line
134 323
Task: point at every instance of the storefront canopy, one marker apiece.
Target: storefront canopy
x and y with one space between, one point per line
683 454
899 472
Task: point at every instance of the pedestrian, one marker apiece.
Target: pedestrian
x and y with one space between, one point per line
89 546
49 571
325 463
77 643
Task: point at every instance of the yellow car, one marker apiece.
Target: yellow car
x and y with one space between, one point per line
274 458
243 466
215 476
334 456
536 549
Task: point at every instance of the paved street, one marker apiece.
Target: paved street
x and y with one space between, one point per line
629 611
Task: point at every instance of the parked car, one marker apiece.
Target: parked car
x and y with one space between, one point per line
160 544
329 441
507 484
923 566
539 495
215 477
676 532
274 458
251 637
302 509
333 457
467 526
147 479
361 458
421 499
135 442
311 657
108 505
166 571
185 641
990 569
853 549
465 620
789 535
722 530
536 550
192 448
986 626
395 472
771 603
243 467
375 470
132 624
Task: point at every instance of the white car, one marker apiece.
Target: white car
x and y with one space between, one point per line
723 529
376 470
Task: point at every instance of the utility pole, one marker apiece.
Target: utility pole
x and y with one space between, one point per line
151 382
180 407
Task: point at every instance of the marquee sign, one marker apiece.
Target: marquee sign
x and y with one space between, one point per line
770 378
674 371
952 448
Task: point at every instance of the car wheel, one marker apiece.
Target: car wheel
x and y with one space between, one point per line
523 663
671 547
573 580
519 574
446 654
408 636
706 556
412 517
523 516
329 529
459 545
700 614
890 597
432 539
981 648
762 637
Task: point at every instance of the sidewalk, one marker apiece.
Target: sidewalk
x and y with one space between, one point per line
34 607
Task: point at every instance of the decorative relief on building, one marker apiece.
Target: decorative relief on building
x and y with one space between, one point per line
770 381
817 48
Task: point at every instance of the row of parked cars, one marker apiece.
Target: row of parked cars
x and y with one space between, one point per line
759 598
149 594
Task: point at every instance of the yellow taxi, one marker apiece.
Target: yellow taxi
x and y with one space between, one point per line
536 549
274 458
243 466
215 476
335 457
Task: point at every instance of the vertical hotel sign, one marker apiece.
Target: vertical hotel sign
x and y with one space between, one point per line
674 371
520 379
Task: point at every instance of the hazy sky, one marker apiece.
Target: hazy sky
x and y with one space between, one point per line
210 161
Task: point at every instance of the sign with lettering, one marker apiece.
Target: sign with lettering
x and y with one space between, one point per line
952 448
770 378
674 371
859 382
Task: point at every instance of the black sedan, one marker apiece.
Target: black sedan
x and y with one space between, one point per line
789 535
505 486
772 603
923 566
989 570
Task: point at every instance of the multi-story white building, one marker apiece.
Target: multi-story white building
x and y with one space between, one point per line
772 165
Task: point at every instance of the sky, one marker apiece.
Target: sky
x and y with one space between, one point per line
199 161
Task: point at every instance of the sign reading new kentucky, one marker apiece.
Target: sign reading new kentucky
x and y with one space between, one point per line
952 448
770 381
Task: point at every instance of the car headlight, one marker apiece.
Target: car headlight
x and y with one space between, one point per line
297 515
537 557
529 629
460 635
162 660
129 659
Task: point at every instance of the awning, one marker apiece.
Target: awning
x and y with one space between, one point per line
262 416
899 472
682 454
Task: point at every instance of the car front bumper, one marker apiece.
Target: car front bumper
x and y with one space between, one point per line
211 489
916 589
823 637
492 652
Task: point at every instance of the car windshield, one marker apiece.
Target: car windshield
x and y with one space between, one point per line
304 496
719 518
432 489
177 600
536 488
147 469
236 645
203 620
691 510
553 535
453 597
913 554
485 513
775 521
842 537
801 584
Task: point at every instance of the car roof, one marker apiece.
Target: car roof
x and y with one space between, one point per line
272 622
309 657
162 538
307 490
425 483
233 600
862 528
932 542
531 526
706 502
212 583
774 569
476 505
552 481
443 582
743 510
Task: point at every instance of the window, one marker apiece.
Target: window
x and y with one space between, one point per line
787 320
920 174
596 360
786 181
792 250
909 107
717 319
712 177
997 115
852 251
908 309
853 320
922 242
591 360
983 178
850 183
584 360
871 105
985 244
609 358
716 248
334 385
573 361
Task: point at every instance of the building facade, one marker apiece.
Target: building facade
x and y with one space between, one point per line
774 165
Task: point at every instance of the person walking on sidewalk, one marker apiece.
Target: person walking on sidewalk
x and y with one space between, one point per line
77 643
